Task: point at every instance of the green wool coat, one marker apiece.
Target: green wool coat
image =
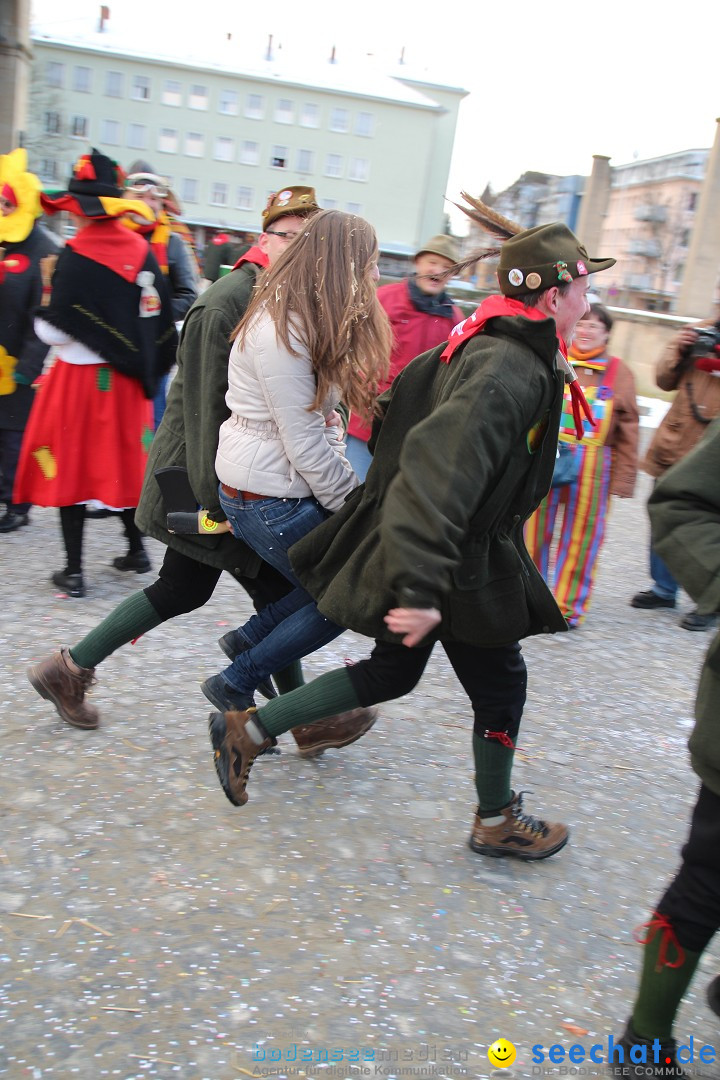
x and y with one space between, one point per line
188 434
685 516
463 454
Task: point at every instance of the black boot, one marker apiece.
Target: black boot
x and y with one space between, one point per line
643 1058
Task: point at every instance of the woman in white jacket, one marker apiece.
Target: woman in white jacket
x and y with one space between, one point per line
314 334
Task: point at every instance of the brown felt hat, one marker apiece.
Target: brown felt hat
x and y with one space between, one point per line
547 255
444 246
299 201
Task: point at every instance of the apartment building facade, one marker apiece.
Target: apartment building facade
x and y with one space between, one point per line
647 225
228 134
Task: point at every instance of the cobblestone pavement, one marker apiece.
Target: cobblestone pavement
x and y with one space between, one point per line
150 929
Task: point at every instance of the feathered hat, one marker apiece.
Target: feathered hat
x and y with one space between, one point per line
532 260
95 190
22 189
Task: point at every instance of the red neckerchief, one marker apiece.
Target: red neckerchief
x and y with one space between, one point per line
254 255
111 244
496 306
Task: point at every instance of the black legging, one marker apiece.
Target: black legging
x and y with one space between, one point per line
72 523
184 584
692 900
495 680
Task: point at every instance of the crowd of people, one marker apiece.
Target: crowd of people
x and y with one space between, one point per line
359 458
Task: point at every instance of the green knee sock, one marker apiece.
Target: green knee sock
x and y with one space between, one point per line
130 619
493 767
661 991
290 678
330 694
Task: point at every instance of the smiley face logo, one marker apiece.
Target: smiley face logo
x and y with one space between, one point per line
501 1054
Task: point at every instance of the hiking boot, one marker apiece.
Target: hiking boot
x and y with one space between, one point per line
237 739
333 731
71 584
60 680
223 697
232 644
134 560
649 599
519 834
662 1062
713 995
694 621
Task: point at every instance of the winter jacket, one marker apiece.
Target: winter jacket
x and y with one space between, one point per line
188 434
463 454
685 515
182 276
21 351
414 332
274 442
698 393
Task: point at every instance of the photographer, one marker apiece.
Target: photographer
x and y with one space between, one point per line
690 365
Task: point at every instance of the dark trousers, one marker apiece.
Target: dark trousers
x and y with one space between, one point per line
184 584
72 525
10 443
692 901
495 680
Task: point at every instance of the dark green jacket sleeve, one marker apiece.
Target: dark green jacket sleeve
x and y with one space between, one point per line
205 345
685 517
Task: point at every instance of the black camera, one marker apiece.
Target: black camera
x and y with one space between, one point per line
708 342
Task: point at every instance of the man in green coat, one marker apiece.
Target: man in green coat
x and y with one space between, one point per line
187 438
685 516
431 547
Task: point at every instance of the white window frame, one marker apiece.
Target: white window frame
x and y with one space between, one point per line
192 137
254 111
172 97
113 79
339 120
198 100
248 156
141 88
168 140
219 193
330 170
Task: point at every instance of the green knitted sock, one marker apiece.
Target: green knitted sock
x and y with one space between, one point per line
329 694
493 767
661 989
290 678
130 619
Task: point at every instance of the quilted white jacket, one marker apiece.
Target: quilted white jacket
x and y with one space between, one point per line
272 444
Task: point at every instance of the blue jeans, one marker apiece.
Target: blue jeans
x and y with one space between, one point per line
358 455
664 584
292 627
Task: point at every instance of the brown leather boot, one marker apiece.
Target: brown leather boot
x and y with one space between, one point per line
333 731
237 739
60 680
519 834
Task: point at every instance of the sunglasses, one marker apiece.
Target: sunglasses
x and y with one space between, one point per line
282 235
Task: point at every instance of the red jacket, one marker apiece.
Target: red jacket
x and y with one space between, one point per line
414 332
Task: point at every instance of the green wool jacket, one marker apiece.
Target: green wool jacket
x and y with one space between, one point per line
188 434
463 454
685 516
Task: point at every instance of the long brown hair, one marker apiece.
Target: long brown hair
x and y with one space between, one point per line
322 289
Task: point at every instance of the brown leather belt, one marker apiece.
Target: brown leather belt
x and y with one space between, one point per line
233 493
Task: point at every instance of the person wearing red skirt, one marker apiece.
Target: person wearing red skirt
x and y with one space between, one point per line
110 327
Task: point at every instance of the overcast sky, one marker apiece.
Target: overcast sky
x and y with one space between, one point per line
550 83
